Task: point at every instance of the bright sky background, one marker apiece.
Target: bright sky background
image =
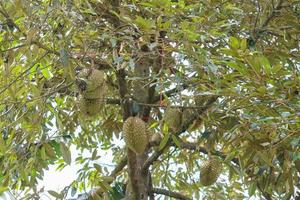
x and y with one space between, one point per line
57 180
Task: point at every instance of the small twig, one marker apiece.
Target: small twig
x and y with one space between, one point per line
12 48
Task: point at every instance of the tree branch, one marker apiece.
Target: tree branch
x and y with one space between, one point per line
196 147
184 127
272 14
119 167
170 92
169 193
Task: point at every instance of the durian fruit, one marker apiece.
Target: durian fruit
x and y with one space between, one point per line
93 78
141 83
201 100
172 117
98 93
89 107
210 171
135 135
187 115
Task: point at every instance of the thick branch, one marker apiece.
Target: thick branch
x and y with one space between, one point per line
169 193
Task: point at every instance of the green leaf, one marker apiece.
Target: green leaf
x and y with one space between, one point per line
2 146
94 154
154 125
49 150
3 189
242 69
46 73
66 154
234 43
43 153
252 189
264 157
164 141
98 167
145 24
175 140
55 194
165 128
244 44
266 65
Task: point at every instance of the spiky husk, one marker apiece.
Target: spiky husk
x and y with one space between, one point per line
173 117
201 100
94 78
187 115
135 135
210 171
89 107
98 93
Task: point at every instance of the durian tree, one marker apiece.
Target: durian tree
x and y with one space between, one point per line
203 95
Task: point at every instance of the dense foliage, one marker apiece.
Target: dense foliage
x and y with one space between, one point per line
230 67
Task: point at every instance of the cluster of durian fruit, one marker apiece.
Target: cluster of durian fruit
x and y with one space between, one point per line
137 137
92 88
211 169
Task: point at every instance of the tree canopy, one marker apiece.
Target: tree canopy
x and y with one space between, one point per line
210 82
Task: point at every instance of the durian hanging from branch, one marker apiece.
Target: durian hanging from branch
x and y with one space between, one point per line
210 171
173 118
135 135
93 89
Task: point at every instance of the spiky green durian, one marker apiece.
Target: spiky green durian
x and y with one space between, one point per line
135 135
98 93
172 118
92 78
89 107
210 171
201 100
141 81
187 115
